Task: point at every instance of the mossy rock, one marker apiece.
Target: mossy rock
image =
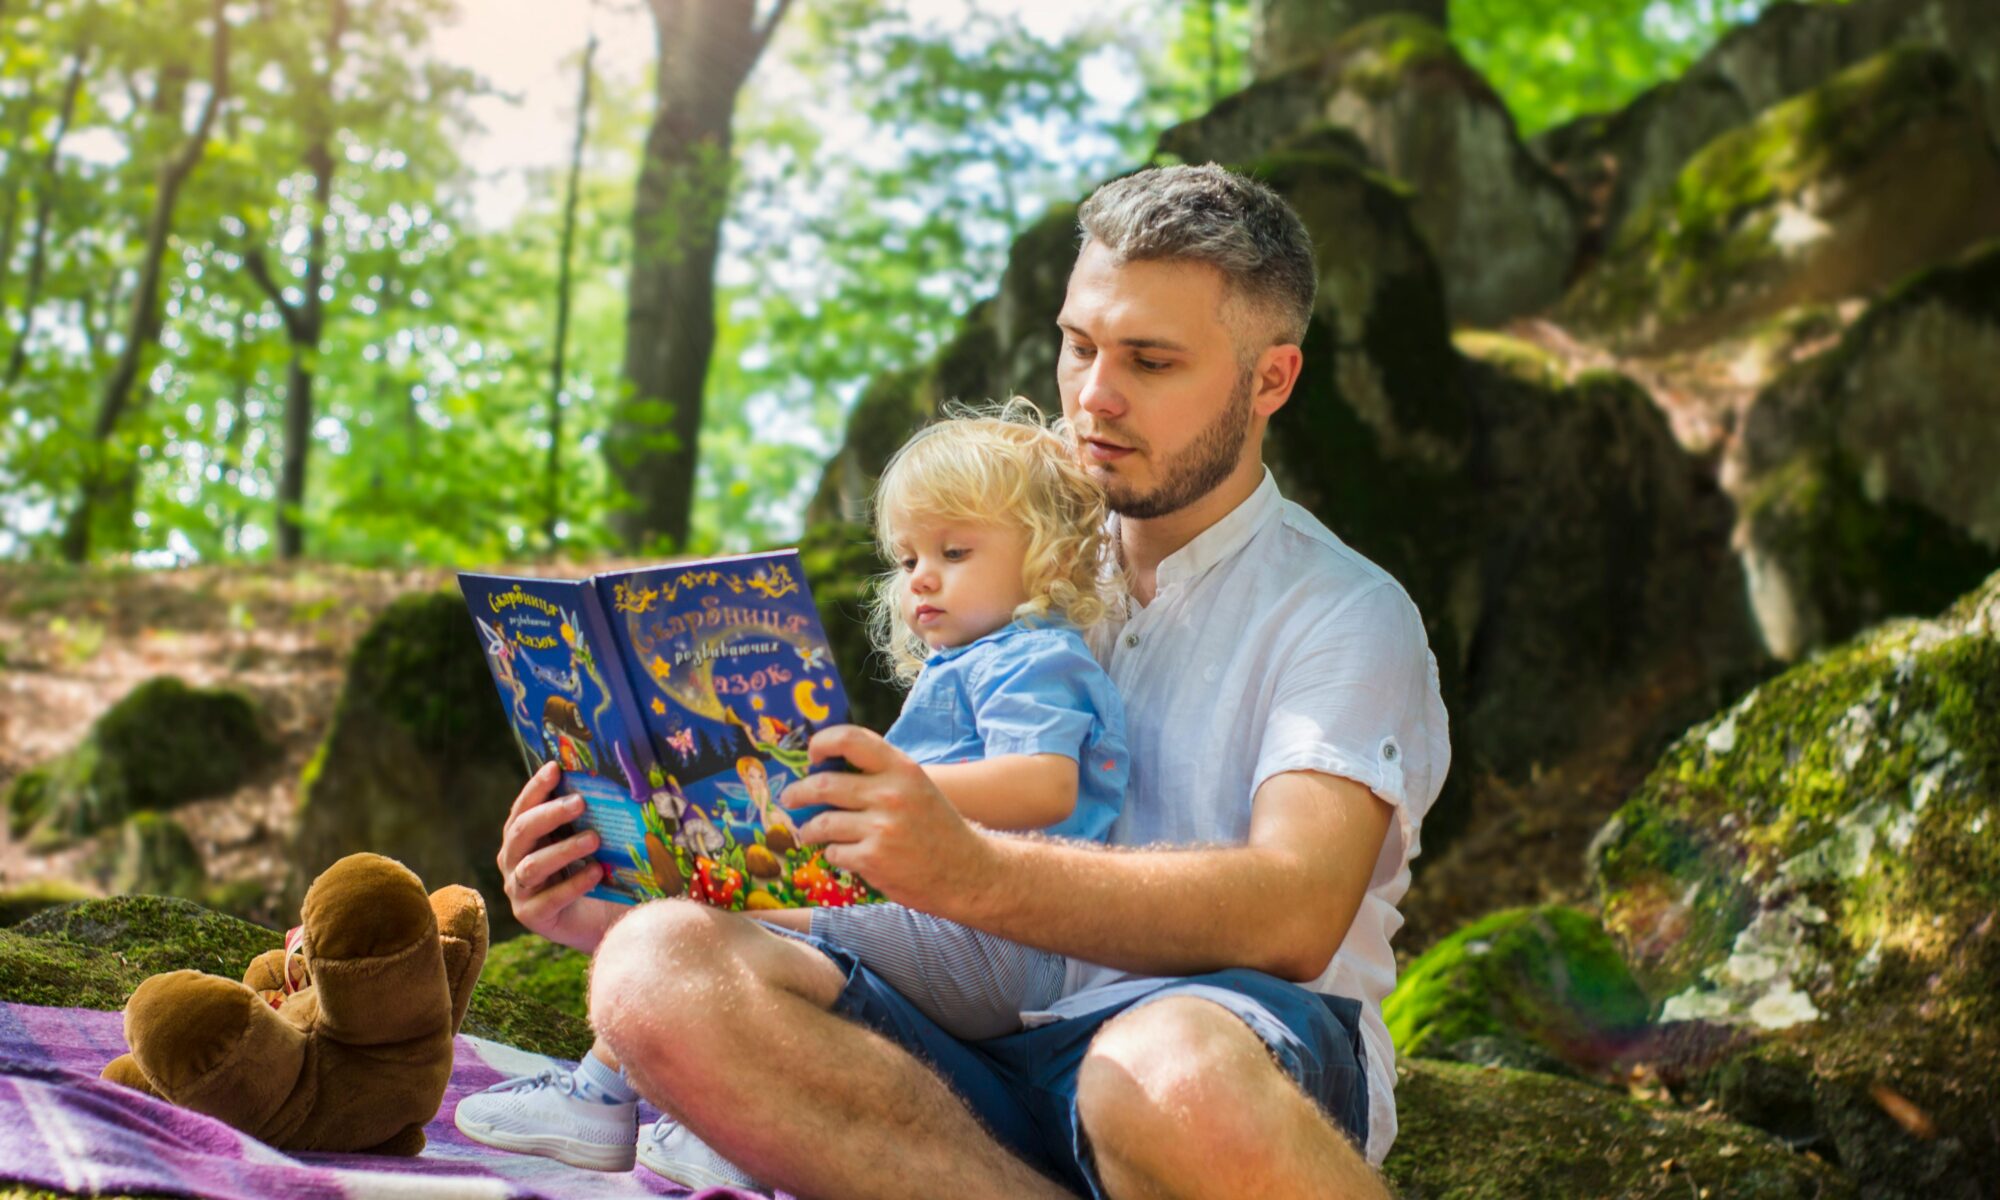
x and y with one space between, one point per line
1818 861
1865 476
163 744
93 954
539 969
1546 979
1883 169
419 763
153 855
1477 1133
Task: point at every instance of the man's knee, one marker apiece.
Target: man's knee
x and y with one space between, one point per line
1179 1068
655 966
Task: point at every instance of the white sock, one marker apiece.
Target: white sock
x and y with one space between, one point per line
600 1081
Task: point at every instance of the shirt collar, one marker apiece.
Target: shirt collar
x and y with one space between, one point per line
1223 539
1005 631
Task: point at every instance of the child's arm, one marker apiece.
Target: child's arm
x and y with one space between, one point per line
1010 791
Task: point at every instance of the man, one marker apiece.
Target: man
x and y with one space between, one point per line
1286 738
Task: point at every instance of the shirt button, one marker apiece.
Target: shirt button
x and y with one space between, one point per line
1131 639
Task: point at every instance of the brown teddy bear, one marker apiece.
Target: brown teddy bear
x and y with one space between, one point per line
349 1050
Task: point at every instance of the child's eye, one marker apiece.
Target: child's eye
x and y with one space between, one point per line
955 553
908 564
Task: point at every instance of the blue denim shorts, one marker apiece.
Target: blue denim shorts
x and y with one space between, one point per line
1022 1086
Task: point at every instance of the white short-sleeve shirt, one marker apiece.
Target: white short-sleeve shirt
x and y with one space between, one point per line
1271 646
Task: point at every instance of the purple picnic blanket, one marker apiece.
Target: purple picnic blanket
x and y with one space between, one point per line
63 1128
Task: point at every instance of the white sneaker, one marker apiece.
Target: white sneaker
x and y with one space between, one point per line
668 1148
543 1114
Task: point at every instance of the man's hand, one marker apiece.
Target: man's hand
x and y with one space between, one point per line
547 896
889 823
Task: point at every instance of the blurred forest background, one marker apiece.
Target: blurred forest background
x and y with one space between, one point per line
1654 354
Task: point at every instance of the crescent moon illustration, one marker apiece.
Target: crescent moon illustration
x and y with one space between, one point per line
809 708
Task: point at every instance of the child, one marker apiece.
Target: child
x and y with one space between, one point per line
997 537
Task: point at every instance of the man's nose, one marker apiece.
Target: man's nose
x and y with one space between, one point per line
1099 395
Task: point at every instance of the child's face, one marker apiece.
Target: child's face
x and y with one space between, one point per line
960 581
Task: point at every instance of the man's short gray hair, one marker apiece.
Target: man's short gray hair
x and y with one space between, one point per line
1209 215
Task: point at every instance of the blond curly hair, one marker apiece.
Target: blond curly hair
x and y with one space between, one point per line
996 465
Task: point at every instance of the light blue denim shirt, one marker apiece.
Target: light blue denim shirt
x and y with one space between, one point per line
1025 688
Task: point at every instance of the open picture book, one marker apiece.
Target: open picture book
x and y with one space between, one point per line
678 701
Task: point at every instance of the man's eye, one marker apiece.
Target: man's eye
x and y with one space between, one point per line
1080 350
1151 364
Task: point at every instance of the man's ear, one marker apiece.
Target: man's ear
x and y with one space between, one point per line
1276 374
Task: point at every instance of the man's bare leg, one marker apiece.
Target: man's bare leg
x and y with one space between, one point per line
1180 1099
726 1025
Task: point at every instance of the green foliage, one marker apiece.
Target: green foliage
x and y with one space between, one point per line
1551 60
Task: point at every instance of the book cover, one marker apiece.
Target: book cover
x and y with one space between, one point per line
678 701
566 699
733 676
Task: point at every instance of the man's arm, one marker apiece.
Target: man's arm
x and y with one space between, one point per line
1282 903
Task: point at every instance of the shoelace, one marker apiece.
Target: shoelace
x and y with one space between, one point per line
547 1078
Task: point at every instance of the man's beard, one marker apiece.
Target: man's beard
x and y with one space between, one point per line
1196 470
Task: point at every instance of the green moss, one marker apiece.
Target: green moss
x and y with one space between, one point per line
162 744
1549 978
1471 1133
1522 360
1681 255
537 968
501 1015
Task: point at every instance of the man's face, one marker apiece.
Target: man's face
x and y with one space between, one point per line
1151 381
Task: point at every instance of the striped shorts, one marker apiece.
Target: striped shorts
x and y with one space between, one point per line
973 984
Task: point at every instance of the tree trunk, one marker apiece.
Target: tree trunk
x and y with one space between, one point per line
305 322
707 49
143 326
45 204
552 520
1288 33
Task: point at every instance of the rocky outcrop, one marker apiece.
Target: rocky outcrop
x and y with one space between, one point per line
1866 477
1502 228
1814 873
164 744
1621 162
418 763
153 855
1885 168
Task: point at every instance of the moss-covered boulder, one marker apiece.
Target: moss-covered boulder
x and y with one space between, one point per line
153 855
1816 868
840 559
1522 985
1866 476
1473 1133
535 967
94 953
419 763
1619 162
1886 167
1503 229
163 744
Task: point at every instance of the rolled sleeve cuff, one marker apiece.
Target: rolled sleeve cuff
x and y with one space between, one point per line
1381 773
